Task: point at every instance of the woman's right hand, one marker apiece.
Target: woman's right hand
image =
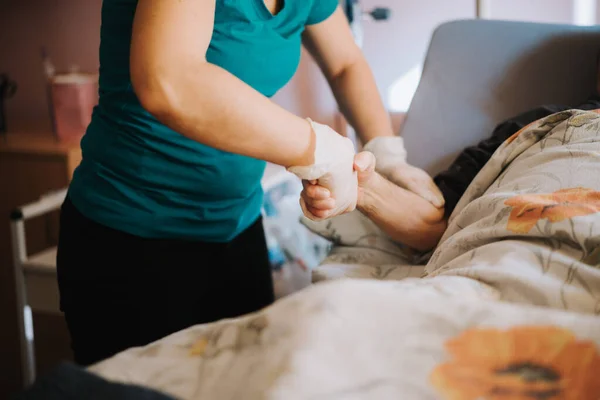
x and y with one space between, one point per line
332 170
318 202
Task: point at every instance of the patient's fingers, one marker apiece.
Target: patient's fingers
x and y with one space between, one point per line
313 214
315 191
321 214
364 165
324 204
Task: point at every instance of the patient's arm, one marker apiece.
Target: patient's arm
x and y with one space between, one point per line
403 215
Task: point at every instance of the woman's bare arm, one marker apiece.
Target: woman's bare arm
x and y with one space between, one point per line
175 83
332 45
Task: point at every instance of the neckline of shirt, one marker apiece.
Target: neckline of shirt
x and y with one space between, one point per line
263 12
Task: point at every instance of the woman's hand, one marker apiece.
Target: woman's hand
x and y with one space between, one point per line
319 202
417 181
391 163
332 172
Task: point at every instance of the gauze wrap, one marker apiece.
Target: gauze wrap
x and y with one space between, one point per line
333 169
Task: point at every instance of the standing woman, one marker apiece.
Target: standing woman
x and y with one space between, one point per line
161 228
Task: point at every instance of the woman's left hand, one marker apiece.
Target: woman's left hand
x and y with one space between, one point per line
318 200
392 165
417 181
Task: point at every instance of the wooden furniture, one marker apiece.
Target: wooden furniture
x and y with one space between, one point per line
31 165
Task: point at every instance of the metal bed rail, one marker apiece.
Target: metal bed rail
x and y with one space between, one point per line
21 262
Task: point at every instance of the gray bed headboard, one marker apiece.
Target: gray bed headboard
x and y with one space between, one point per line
478 73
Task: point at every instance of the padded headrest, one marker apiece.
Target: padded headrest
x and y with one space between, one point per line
478 73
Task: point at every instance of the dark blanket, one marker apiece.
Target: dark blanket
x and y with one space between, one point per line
455 180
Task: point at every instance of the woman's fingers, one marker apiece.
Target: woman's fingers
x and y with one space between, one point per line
419 182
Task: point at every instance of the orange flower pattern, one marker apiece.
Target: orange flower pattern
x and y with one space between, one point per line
528 209
523 363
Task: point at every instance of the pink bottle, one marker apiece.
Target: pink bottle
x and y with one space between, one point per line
73 97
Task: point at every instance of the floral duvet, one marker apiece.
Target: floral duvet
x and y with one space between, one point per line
507 306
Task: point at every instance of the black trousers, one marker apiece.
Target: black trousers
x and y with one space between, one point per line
118 291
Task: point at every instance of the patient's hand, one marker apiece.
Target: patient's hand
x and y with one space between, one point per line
405 216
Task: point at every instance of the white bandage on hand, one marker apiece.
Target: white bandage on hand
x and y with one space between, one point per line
333 169
391 164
